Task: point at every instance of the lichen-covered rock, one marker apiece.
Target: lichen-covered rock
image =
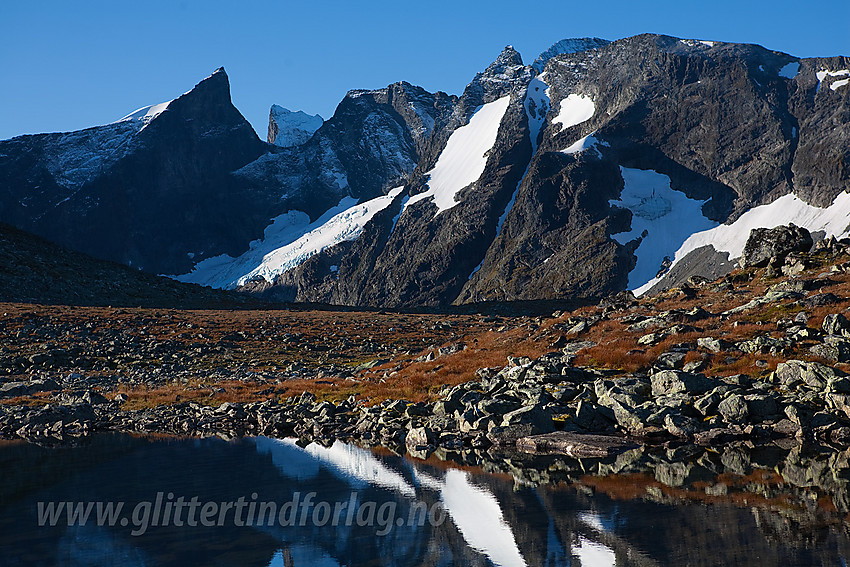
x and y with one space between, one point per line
767 243
836 324
674 381
734 409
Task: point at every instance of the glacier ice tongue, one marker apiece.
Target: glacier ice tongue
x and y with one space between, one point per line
662 218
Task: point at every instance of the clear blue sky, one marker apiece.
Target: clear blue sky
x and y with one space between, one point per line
67 65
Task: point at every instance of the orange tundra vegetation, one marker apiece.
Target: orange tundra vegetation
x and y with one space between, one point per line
394 344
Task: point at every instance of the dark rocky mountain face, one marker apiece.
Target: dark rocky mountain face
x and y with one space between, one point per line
372 142
575 177
144 194
732 126
163 192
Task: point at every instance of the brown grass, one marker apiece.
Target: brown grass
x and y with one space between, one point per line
342 338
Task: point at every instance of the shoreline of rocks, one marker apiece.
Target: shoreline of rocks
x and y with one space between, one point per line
805 401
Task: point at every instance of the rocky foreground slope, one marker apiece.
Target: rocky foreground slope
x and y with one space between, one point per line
758 354
736 390
602 166
35 271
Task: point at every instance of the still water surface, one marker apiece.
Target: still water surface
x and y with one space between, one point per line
266 502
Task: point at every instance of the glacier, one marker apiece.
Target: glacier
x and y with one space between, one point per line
731 238
288 242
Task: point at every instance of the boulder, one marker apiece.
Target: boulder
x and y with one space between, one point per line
836 324
793 373
679 425
761 406
671 359
534 415
765 244
712 344
575 444
14 389
673 381
734 409
419 437
835 349
507 436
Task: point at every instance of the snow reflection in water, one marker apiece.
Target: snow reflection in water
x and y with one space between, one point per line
490 519
473 509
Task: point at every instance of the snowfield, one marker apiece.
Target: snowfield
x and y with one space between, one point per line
536 108
294 128
288 242
574 110
832 221
146 113
464 158
662 218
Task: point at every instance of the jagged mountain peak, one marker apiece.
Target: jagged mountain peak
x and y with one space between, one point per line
558 186
505 74
506 66
215 87
509 56
211 97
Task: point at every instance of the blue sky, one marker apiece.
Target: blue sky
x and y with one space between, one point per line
69 65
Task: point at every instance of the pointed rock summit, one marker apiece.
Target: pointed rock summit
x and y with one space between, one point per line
146 191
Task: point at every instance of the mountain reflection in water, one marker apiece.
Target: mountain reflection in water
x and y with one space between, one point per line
477 518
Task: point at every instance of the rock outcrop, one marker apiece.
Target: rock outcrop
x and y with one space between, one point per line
767 245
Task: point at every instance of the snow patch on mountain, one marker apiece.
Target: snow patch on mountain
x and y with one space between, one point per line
790 70
422 111
464 158
832 221
662 218
146 113
571 45
698 43
536 108
76 157
288 242
291 128
574 110
587 143
345 226
224 271
824 73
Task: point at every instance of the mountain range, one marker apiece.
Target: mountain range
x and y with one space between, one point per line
602 166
